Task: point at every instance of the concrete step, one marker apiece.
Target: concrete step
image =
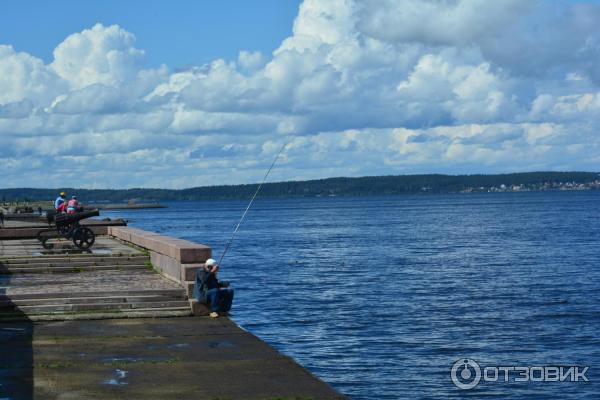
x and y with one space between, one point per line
61 308
139 313
67 269
19 257
68 295
63 249
90 300
144 261
96 260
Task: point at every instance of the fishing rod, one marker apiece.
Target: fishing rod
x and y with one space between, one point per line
251 201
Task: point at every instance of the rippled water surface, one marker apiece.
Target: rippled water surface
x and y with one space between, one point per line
379 296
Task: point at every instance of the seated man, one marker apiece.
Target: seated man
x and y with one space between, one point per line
59 204
73 205
209 290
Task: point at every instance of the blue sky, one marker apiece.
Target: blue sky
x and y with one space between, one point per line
181 94
179 34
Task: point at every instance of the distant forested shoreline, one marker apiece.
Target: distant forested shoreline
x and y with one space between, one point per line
362 186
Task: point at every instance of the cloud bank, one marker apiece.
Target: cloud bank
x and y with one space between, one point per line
361 88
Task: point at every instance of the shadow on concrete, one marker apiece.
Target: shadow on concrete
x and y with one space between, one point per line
16 346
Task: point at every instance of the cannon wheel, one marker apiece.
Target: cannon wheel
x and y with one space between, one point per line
47 246
83 237
43 237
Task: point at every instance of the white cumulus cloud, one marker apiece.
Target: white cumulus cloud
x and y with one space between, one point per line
98 55
359 88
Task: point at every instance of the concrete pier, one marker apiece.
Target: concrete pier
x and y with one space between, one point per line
118 323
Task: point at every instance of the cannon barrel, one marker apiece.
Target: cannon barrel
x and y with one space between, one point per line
66 219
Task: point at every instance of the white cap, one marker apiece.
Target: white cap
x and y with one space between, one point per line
210 262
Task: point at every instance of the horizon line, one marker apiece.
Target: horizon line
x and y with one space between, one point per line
306 180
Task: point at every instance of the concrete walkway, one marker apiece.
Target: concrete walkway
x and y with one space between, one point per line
166 358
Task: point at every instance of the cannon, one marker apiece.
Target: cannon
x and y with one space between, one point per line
67 226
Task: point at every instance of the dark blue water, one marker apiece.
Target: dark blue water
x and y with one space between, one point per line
380 296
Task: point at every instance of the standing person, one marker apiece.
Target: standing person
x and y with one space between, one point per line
208 289
73 205
59 203
1 219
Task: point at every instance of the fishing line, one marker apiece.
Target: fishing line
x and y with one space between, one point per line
251 201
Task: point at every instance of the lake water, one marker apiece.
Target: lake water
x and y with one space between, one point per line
379 296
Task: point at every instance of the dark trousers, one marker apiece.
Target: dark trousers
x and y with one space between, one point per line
220 299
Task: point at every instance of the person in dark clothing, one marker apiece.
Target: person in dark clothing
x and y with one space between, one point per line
208 289
1 219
